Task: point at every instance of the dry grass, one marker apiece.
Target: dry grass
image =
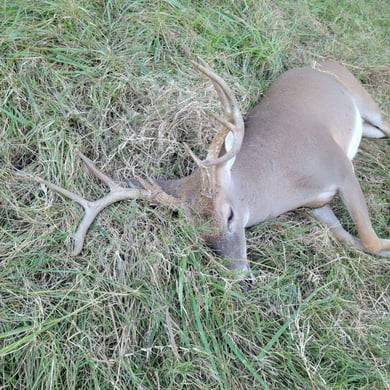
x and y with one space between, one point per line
147 305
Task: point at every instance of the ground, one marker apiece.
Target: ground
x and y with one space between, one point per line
147 305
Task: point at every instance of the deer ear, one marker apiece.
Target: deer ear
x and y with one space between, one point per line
229 141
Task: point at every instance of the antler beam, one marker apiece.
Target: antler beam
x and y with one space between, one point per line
151 191
231 121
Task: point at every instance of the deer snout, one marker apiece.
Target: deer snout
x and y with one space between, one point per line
244 274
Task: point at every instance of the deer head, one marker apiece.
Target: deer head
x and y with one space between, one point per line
205 196
215 202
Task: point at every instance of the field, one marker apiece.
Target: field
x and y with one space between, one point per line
147 305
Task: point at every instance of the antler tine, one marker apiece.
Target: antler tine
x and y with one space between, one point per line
99 174
233 121
225 103
117 193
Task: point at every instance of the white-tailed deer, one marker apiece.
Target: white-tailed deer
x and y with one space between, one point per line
294 150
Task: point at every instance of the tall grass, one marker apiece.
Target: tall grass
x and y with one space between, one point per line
146 305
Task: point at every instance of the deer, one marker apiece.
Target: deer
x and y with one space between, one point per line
294 150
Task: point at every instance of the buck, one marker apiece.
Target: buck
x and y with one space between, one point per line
295 149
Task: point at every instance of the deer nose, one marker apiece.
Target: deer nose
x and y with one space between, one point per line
244 274
248 282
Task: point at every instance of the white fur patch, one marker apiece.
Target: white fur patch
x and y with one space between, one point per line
356 136
229 140
326 195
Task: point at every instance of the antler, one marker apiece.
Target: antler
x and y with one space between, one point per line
151 191
231 121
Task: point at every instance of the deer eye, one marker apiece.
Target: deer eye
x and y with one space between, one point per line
231 216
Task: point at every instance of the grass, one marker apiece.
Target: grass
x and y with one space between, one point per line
146 305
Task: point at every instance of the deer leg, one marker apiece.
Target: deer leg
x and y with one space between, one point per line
353 198
372 131
327 217
375 127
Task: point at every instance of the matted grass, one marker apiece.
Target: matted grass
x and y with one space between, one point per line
146 305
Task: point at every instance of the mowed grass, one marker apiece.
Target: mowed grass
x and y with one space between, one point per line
146 305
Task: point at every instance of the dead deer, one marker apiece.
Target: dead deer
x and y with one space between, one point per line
294 150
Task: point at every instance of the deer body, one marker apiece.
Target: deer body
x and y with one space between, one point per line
306 112
295 150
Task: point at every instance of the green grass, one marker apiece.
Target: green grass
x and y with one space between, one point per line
146 305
